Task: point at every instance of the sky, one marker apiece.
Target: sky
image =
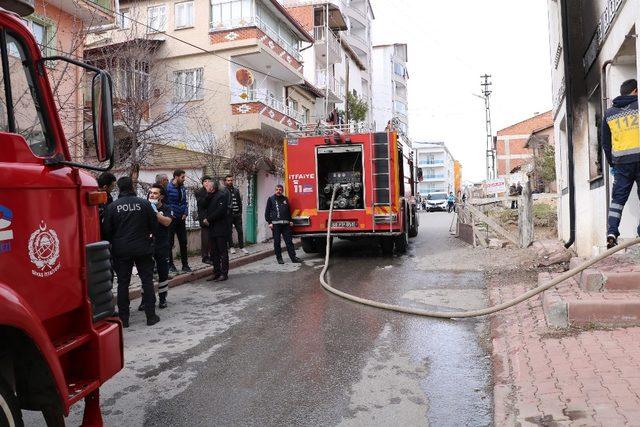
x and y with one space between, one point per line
451 44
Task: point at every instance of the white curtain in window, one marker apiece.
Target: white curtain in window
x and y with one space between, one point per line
157 18
184 14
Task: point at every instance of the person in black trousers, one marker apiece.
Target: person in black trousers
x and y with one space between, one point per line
201 200
129 224
177 201
235 219
217 206
278 216
161 248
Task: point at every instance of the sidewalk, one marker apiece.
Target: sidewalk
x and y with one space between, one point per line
546 376
257 252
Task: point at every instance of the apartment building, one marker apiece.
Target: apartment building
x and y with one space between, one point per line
436 166
512 146
601 48
340 60
224 77
60 28
390 77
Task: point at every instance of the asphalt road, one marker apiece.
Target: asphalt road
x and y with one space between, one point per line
270 347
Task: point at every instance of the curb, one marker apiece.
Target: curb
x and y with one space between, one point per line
208 271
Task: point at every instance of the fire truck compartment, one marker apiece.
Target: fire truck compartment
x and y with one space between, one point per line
342 165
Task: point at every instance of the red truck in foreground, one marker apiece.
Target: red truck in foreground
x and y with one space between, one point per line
376 195
59 341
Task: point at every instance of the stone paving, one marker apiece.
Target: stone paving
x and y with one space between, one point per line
553 377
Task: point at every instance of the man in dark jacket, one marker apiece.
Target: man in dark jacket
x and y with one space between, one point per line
129 224
201 200
216 219
278 216
621 145
235 217
106 183
177 201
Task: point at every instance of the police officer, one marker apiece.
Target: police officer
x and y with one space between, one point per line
161 250
278 216
129 224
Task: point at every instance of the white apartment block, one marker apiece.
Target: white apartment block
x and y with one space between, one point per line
604 53
340 60
437 166
390 78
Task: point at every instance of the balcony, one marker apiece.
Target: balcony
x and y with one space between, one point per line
335 50
92 13
335 88
430 163
264 109
272 54
433 177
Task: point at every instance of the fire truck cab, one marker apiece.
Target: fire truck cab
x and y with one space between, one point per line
374 174
59 341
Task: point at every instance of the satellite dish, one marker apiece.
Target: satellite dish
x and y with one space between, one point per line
244 77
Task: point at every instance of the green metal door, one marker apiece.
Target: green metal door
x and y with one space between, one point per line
251 232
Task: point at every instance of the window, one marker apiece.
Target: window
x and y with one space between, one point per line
132 82
157 18
231 13
123 19
306 115
399 70
188 85
28 119
400 107
40 33
184 16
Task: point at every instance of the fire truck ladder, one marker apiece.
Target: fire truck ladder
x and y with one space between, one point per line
381 178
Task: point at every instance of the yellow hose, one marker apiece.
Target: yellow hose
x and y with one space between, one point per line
458 314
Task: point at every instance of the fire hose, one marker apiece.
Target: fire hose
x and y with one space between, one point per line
458 314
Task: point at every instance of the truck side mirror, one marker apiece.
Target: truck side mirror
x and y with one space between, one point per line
102 109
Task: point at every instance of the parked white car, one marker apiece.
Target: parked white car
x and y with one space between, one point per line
437 201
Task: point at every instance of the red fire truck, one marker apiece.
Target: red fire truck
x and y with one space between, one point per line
374 174
59 341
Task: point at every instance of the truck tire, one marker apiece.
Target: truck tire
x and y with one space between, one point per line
321 244
413 229
402 242
10 414
309 245
386 243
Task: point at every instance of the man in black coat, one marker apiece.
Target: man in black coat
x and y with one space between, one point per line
235 218
217 221
278 216
201 200
129 224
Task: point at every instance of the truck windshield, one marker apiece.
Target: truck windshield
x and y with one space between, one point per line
20 110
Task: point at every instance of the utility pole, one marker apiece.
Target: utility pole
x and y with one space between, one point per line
485 83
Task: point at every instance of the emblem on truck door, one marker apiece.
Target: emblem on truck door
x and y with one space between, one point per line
44 251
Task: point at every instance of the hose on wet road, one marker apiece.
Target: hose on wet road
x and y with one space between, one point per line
457 314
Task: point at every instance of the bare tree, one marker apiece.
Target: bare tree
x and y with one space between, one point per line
215 150
265 154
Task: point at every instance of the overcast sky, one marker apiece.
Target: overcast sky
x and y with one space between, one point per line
450 45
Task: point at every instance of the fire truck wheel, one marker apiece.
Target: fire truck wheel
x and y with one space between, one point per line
10 414
386 243
402 242
321 244
309 245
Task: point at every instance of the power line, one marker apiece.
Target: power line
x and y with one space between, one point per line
485 83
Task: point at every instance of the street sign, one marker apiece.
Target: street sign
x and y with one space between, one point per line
495 186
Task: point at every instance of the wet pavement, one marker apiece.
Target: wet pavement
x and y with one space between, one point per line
270 347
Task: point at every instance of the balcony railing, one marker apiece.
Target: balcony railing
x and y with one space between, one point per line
319 36
257 22
436 176
323 81
430 162
269 99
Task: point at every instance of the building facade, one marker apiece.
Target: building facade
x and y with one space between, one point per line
390 77
436 167
601 52
222 77
511 146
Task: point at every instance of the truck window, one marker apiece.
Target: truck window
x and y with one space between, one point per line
19 82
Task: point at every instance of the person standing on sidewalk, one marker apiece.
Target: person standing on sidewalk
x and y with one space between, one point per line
201 200
278 216
621 145
217 221
451 202
161 249
129 224
177 201
236 214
